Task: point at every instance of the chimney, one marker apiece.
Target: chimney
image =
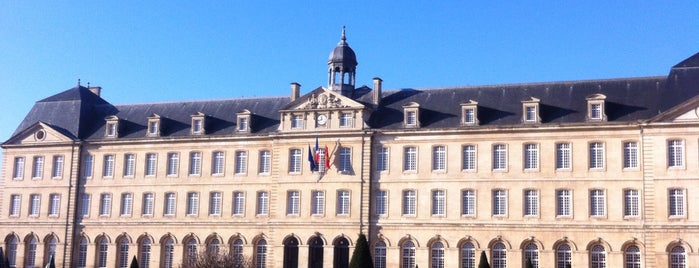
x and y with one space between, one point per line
295 91
377 90
96 90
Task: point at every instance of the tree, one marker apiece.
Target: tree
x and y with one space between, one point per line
483 262
361 257
134 262
221 259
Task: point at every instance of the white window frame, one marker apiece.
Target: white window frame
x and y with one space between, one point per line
195 160
105 204
630 155
238 208
192 204
410 159
596 159
170 204
439 200
531 156
499 157
677 203
317 203
109 164
15 205
54 205
564 203
293 203
346 119
439 158
129 165
262 203
598 203
57 168
468 203
381 204
34 205
345 160
297 121
148 204
215 203
531 203
409 203
563 156
469 154
18 171
241 162
126 204
218 163
343 203
382 159
173 164
632 201
675 153
151 168
500 208
265 162
85 200
295 156
37 167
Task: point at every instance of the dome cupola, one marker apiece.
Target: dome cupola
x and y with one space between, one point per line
342 66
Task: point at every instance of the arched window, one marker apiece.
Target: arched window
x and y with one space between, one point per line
380 255
30 255
408 255
531 253
563 256
213 246
50 247
145 252
499 256
190 253
82 253
261 254
437 255
632 257
123 253
678 257
102 252
237 249
168 248
468 255
598 257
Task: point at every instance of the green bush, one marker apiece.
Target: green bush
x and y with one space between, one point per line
361 257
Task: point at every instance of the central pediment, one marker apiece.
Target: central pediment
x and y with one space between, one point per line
321 99
323 110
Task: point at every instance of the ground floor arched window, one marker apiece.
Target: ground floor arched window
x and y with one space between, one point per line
499 256
678 257
632 257
468 255
437 255
261 254
531 253
408 255
380 255
598 257
564 256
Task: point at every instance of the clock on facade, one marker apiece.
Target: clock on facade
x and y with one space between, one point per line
322 119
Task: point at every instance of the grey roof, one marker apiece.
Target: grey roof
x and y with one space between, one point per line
80 114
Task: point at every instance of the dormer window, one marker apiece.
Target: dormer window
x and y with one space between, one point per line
469 113
411 115
198 123
154 125
596 108
244 121
111 129
530 111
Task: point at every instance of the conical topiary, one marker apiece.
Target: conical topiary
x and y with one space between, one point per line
361 257
529 263
483 262
134 262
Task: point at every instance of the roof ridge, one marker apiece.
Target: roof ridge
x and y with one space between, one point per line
200 101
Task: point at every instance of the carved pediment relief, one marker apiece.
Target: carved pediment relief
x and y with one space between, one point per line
323 99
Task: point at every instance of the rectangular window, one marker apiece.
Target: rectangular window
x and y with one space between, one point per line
468 203
345 160
382 159
173 164
596 155
346 120
499 157
597 203
531 203
192 204
631 203
293 203
295 161
197 126
530 114
87 166
381 203
151 164
105 204
265 162
675 150
439 158
238 203
54 205
152 128
343 202
676 203
563 156
215 203
195 163
241 162
468 157
129 165
469 116
18 171
148 204
317 203
111 129
85 205
410 159
38 167
57 170
499 203
243 125
108 170
563 203
262 203
411 118
439 203
217 163
596 111
170 204
531 156
126 204
15 205
296 121
34 205
631 154
409 202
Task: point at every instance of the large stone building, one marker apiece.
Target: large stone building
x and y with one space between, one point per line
595 173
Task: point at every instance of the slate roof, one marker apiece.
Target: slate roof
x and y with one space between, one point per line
80 114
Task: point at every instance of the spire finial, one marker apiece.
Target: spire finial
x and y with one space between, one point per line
78 82
343 33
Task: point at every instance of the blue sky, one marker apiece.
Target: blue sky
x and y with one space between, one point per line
157 51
